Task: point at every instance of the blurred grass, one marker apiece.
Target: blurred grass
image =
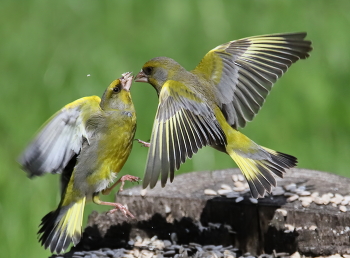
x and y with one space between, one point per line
47 49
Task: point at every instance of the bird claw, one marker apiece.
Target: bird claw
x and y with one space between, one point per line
127 178
143 143
122 208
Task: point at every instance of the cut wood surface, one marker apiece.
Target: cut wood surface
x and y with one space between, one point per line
288 221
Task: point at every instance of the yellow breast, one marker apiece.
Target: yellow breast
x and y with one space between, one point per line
114 148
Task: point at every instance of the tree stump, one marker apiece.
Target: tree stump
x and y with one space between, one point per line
308 212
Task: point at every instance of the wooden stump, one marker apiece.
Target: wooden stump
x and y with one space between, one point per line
272 223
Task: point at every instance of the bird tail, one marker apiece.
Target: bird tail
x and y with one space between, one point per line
257 163
61 227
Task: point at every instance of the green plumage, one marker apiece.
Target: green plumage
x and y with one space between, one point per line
87 142
205 106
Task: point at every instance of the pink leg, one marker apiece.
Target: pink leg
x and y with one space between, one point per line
117 206
143 143
122 181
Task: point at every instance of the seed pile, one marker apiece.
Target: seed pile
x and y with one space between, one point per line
155 248
292 192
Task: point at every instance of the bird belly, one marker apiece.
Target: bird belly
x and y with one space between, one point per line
111 157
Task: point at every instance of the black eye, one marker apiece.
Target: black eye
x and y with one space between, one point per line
148 70
116 89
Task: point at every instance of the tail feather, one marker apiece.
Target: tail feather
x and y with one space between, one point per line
60 228
258 171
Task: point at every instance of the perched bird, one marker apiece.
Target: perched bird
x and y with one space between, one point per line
87 142
207 105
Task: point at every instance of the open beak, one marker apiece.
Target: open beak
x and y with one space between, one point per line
126 80
141 77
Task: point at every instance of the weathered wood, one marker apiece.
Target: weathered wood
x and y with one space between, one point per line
262 227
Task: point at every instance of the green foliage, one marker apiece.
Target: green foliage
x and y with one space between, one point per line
47 49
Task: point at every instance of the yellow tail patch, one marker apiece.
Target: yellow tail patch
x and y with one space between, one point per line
70 224
62 227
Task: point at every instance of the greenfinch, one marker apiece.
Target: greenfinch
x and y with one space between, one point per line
87 142
207 105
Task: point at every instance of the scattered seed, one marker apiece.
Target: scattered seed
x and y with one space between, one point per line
330 195
342 208
143 192
239 199
304 193
318 200
293 198
240 178
226 187
278 191
224 191
232 195
291 187
315 194
326 199
253 200
167 243
239 189
238 184
235 178
313 227
288 194
345 202
168 253
337 199
210 192
173 237
305 204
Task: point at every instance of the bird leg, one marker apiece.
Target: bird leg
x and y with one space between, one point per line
117 206
143 143
121 180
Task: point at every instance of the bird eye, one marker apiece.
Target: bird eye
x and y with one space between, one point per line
148 70
116 89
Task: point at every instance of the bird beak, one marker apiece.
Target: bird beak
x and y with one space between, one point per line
126 81
141 77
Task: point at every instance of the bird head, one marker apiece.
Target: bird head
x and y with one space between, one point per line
117 95
157 71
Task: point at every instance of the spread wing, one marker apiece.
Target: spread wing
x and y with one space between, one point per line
60 138
245 70
183 124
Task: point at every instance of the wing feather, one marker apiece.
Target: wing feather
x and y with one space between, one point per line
244 71
182 126
60 138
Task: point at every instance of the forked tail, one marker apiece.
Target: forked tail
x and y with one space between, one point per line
61 227
258 163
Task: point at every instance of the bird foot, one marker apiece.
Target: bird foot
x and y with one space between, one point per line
143 143
122 208
127 178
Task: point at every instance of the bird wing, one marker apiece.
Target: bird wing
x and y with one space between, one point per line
183 124
60 138
245 70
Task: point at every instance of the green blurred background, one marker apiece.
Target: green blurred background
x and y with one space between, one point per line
47 49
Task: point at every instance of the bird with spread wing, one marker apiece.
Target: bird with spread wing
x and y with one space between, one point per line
88 142
207 105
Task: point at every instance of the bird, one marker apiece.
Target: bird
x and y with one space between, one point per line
206 107
87 142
